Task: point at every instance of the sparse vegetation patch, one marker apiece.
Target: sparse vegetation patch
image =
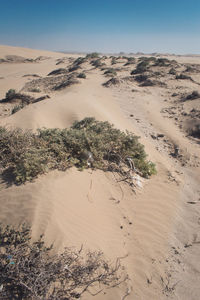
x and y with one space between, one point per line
194 95
21 100
110 72
92 55
183 76
58 72
81 75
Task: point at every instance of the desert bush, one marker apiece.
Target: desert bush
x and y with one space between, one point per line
183 76
58 72
172 71
141 67
130 61
112 81
113 60
97 63
141 78
65 83
195 130
74 68
35 90
162 62
191 69
80 60
149 60
13 96
16 108
10 93
92 55
81 75
194 95
30 270
148 82
110 72
88 143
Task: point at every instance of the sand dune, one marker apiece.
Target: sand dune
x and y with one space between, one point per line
149 227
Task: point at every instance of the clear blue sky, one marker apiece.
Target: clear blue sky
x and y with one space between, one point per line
102 25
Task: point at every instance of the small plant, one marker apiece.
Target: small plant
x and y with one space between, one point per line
30 270
194 95
58 72
114 60
16 108
149 60
191 69
141 78
162 62
172 71
183 76
130 61
195 130
80 60
81 75
97 63
141 67
10 94
112 81
35 90
74 68
92 55
148 82
110 72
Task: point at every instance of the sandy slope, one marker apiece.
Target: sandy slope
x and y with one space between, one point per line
26 52
146 228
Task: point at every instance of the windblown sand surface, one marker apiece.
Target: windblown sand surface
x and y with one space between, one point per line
153 228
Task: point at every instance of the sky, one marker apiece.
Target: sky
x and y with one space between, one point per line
107 26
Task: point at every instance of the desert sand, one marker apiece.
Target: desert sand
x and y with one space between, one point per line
153 228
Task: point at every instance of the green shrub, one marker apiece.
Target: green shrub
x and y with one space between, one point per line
16 108
172 71
10 93
114 60
183 76
79 61
194 95
81 75
97 63
162 62
74 68
141 67
141 78
147 59
88 143
35 90
92 55
110 72
130 61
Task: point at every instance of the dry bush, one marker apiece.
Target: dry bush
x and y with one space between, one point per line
110 72
81 75
58 72
92 55
112 81
30 271
194 95
141 67
183 76
97 63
